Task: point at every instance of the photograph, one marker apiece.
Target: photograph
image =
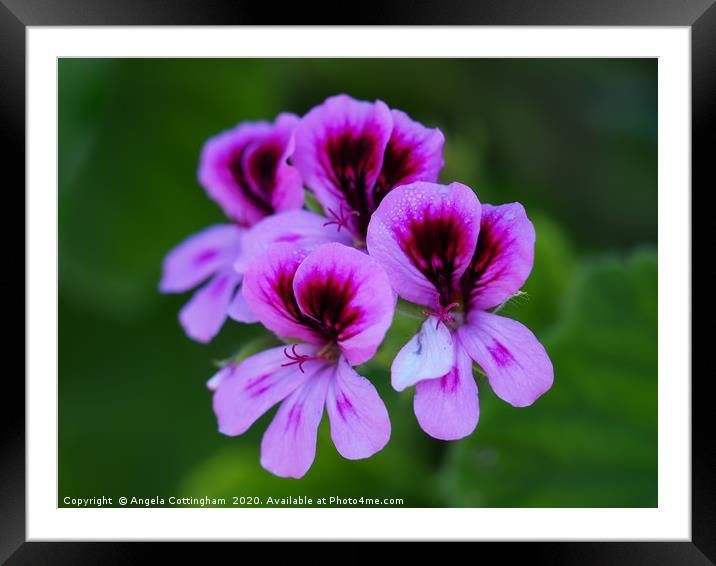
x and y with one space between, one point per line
357 282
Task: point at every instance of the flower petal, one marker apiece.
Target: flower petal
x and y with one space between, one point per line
424 236
267 171
360 425
516 364
428 354
224 373
288 447
257 384
300 227
447 408
245 170
203 316
503 256
414 153
269 293
339 153
200 256
240 310
348 297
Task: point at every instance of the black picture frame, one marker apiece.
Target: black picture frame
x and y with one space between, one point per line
17 15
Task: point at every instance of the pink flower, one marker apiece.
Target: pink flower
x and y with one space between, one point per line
245 170
351 153
443 250
338 304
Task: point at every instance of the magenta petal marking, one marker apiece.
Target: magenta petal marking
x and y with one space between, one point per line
424 236
261 162
336 294
500 354
253 387
245 170
432 244
339 152
344 405
294 418
218 288
205 256
355 152
329 300
347 296
449 382
516 364
288 238
268 291
413 153
447 408
256 386
200 256
288 447
255 186
503 256
360 426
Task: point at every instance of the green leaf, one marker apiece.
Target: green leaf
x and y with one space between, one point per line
591 441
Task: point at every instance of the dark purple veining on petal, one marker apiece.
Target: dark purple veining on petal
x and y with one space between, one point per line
450 381
204 256
261 199
491 243
343 405
257 386
434 243
347 160
294 417
399 163
328 300
500 354
263 165
289 238
217 288
278 290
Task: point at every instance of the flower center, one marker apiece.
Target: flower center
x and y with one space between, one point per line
442 313
341 218
328 353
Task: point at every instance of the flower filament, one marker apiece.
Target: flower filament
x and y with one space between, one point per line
442 313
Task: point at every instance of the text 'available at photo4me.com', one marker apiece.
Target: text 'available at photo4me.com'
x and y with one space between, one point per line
234 501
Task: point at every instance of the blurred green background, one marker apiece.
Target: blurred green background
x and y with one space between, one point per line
575 140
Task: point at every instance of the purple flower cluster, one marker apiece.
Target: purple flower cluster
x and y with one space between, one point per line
328 285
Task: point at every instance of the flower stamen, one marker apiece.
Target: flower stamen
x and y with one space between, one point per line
442 313
341 219
297 358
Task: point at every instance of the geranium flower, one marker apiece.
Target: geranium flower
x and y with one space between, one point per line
352 153
299 227
338 303
245 171
443 250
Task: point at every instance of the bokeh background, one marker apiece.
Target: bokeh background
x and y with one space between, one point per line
574 140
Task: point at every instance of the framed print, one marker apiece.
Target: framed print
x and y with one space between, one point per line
425 277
